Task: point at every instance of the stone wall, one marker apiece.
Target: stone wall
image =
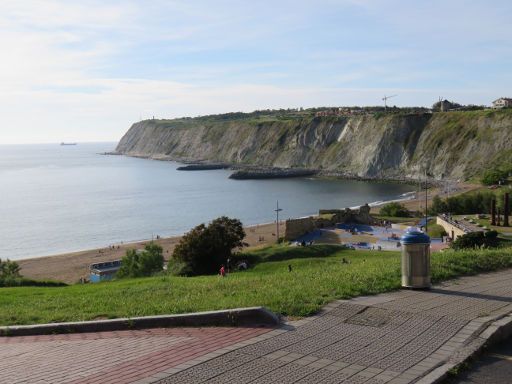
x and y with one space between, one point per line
451 229
347 215
297 227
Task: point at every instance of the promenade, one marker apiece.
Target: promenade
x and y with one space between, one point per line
396 338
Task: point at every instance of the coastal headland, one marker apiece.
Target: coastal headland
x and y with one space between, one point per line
399 146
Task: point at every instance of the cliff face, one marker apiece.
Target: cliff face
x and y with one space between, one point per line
449 145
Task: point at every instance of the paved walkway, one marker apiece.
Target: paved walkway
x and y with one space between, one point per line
112 357
393 338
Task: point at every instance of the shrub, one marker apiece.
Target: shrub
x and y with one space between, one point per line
10 277
9 273
138 263
476 240
394 209
9 269
493 176
205 248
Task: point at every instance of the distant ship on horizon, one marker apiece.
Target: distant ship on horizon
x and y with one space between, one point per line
63 143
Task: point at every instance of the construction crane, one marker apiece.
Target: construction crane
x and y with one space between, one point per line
385 98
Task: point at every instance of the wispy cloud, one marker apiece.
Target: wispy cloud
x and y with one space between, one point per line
85 70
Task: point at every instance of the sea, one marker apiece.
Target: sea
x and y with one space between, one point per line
57 199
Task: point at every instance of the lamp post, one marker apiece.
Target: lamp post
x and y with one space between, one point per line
277 210
426 201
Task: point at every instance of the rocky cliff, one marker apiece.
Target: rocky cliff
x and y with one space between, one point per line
450 145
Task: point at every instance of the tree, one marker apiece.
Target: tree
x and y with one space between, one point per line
205 248
394 209
438 206
467 203
9 273
9 269
139 263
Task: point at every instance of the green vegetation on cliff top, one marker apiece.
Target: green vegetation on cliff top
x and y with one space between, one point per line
314 281
260 116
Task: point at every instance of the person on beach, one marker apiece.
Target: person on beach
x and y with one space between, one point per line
222 271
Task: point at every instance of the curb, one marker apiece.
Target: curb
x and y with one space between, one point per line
491 332
253 316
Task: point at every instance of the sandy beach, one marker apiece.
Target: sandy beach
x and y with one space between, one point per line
70 267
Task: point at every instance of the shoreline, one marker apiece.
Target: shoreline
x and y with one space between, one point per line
71 266
254 171
125 243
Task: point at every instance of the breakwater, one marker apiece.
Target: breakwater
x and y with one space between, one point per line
202 167
271 173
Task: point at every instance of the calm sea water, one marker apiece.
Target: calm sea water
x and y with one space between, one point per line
57 199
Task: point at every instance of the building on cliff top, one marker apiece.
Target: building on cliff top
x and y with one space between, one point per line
502 102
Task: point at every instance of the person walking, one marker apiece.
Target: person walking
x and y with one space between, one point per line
222 271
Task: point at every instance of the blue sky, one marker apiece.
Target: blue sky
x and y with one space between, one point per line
86 70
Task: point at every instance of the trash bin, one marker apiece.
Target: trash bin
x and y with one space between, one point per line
415 259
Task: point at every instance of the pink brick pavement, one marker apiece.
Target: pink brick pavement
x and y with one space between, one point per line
110 357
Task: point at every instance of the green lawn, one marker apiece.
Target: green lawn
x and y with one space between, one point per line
435 230
314 281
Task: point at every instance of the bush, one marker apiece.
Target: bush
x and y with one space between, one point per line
394 209
493 176
23 282
138 263
476 240
205 248
9 273
10 277
9 269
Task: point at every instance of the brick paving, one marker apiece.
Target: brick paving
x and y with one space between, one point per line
111 357
394 338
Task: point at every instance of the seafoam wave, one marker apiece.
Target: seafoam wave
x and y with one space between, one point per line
403 197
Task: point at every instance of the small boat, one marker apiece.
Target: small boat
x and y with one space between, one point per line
67 143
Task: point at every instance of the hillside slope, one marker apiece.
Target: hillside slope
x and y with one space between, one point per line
449 145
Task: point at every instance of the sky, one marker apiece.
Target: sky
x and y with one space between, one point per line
86 70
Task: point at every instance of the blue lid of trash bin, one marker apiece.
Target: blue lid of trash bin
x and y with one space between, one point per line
414 236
